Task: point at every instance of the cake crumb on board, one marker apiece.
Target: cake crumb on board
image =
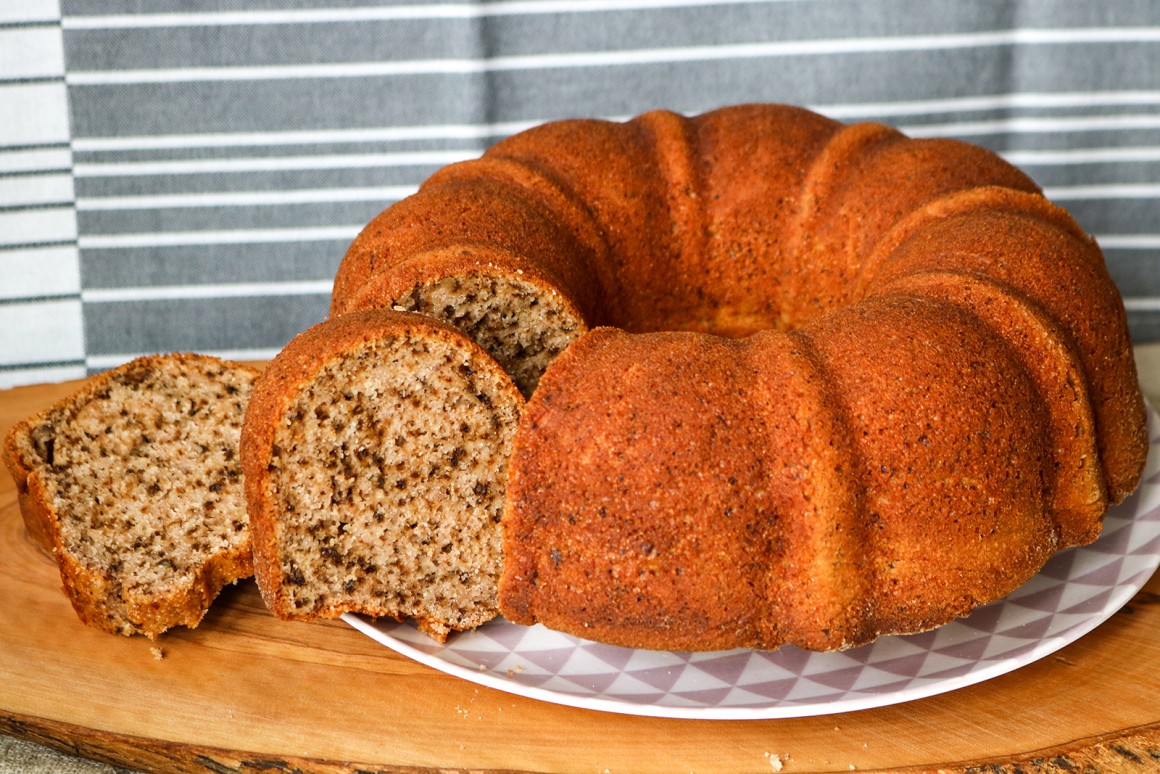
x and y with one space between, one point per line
776 762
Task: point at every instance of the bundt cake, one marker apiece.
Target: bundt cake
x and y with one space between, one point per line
791 381
375 453
134 484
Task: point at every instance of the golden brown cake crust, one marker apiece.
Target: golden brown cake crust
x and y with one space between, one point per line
683 518
97 593
706 559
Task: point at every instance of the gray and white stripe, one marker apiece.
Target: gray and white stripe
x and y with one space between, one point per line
218 160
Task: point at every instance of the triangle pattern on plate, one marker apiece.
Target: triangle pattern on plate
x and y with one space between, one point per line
908 665
986 618
789 658
710 696
509 637
551 660
1030 629
774 690
1102 576
1115 543
1090 605
596 683
1059 566
663 677
616 657
487 659
969 650
1046 600
842 679
728 668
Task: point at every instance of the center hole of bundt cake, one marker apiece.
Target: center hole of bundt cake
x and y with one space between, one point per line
389 467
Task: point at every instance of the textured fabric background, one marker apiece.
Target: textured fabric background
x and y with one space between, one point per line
188 176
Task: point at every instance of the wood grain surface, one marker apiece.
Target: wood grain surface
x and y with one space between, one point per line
246 692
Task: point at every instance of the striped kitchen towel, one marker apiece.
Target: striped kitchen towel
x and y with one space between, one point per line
187 177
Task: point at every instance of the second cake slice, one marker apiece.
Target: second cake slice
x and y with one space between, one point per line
375 451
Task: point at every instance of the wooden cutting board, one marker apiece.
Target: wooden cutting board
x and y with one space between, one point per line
246 692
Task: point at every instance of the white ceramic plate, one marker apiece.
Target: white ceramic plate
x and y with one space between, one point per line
1076 591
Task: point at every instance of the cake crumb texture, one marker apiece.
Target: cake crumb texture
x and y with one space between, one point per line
134 484
377 452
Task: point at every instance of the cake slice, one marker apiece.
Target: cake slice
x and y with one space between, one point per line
375 452
134 484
